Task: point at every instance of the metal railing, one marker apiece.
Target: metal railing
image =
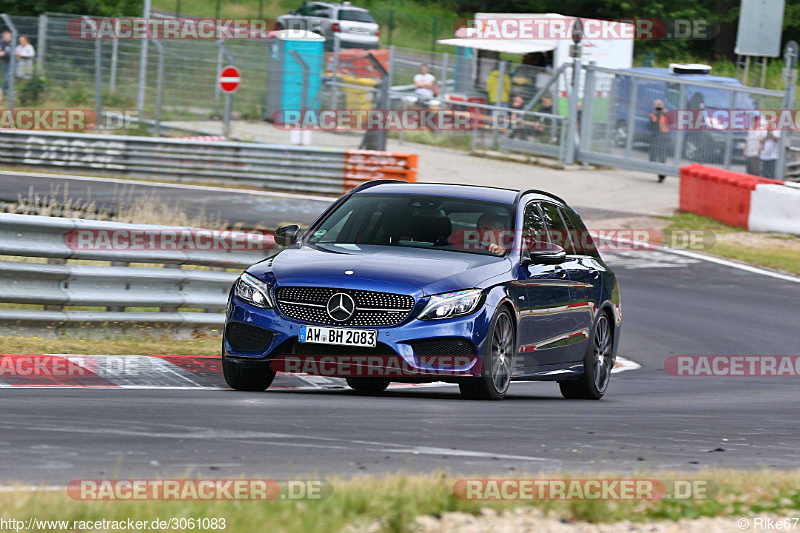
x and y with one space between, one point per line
181 83
295 168
616 129
116 286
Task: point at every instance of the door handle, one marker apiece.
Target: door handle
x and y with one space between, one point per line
594 273
560 272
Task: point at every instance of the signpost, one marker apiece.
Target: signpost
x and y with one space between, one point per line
229 80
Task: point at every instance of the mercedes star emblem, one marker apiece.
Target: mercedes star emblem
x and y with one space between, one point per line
341 307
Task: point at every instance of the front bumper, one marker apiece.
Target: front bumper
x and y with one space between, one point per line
396 339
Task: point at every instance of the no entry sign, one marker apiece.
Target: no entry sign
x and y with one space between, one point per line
229 79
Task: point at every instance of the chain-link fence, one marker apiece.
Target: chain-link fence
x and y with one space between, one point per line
512 107
635 117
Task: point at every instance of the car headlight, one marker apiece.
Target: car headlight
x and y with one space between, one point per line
253 291
452 304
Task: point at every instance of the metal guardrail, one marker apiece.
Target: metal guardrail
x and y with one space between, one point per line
317 170
114 287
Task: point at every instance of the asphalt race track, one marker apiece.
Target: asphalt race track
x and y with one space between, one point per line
672 305
236 206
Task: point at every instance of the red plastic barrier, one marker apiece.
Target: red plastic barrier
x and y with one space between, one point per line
717 193
367 165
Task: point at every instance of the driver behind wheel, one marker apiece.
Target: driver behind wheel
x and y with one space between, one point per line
491 231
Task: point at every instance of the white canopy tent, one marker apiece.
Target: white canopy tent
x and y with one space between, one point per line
498 45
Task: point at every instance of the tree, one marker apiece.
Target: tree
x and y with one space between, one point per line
106 8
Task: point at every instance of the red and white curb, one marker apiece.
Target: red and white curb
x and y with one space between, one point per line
157 372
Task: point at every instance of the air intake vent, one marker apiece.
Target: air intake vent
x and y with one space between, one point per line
247 338
443 346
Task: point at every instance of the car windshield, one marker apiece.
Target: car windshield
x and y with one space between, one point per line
355 16
418 221
720 98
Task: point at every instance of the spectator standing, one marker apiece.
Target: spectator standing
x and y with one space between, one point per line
425 83
25 55
659 135
492 83
770 144
5 57
543 126
520 128
752 148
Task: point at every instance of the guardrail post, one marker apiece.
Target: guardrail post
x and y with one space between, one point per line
11 73
55 261
170 309
116 308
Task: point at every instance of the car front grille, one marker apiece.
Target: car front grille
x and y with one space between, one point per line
372 309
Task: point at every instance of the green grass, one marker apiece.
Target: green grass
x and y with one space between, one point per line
413 22
771 250
392 503
145 341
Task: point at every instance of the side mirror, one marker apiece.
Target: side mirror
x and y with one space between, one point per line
544 253
287 235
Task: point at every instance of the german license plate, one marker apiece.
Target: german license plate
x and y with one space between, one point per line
339 336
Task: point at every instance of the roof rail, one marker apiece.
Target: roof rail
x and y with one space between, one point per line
539 191
372 183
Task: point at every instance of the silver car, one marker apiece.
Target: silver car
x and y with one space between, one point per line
353 25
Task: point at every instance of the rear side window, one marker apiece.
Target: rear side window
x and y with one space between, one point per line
580 235
353 15
559 231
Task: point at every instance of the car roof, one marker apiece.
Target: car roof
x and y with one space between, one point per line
467 192
693 77
341 6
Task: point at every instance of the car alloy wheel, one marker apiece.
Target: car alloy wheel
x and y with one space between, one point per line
502 353
597 365
603 360
498 361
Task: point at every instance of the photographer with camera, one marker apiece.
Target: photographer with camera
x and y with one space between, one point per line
659 135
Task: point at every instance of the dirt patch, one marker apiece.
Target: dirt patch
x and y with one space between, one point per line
531 519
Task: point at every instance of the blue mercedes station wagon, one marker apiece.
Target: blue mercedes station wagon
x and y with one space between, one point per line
509 280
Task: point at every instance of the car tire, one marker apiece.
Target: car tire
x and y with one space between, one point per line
247 377
368 385
500 349
597 364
